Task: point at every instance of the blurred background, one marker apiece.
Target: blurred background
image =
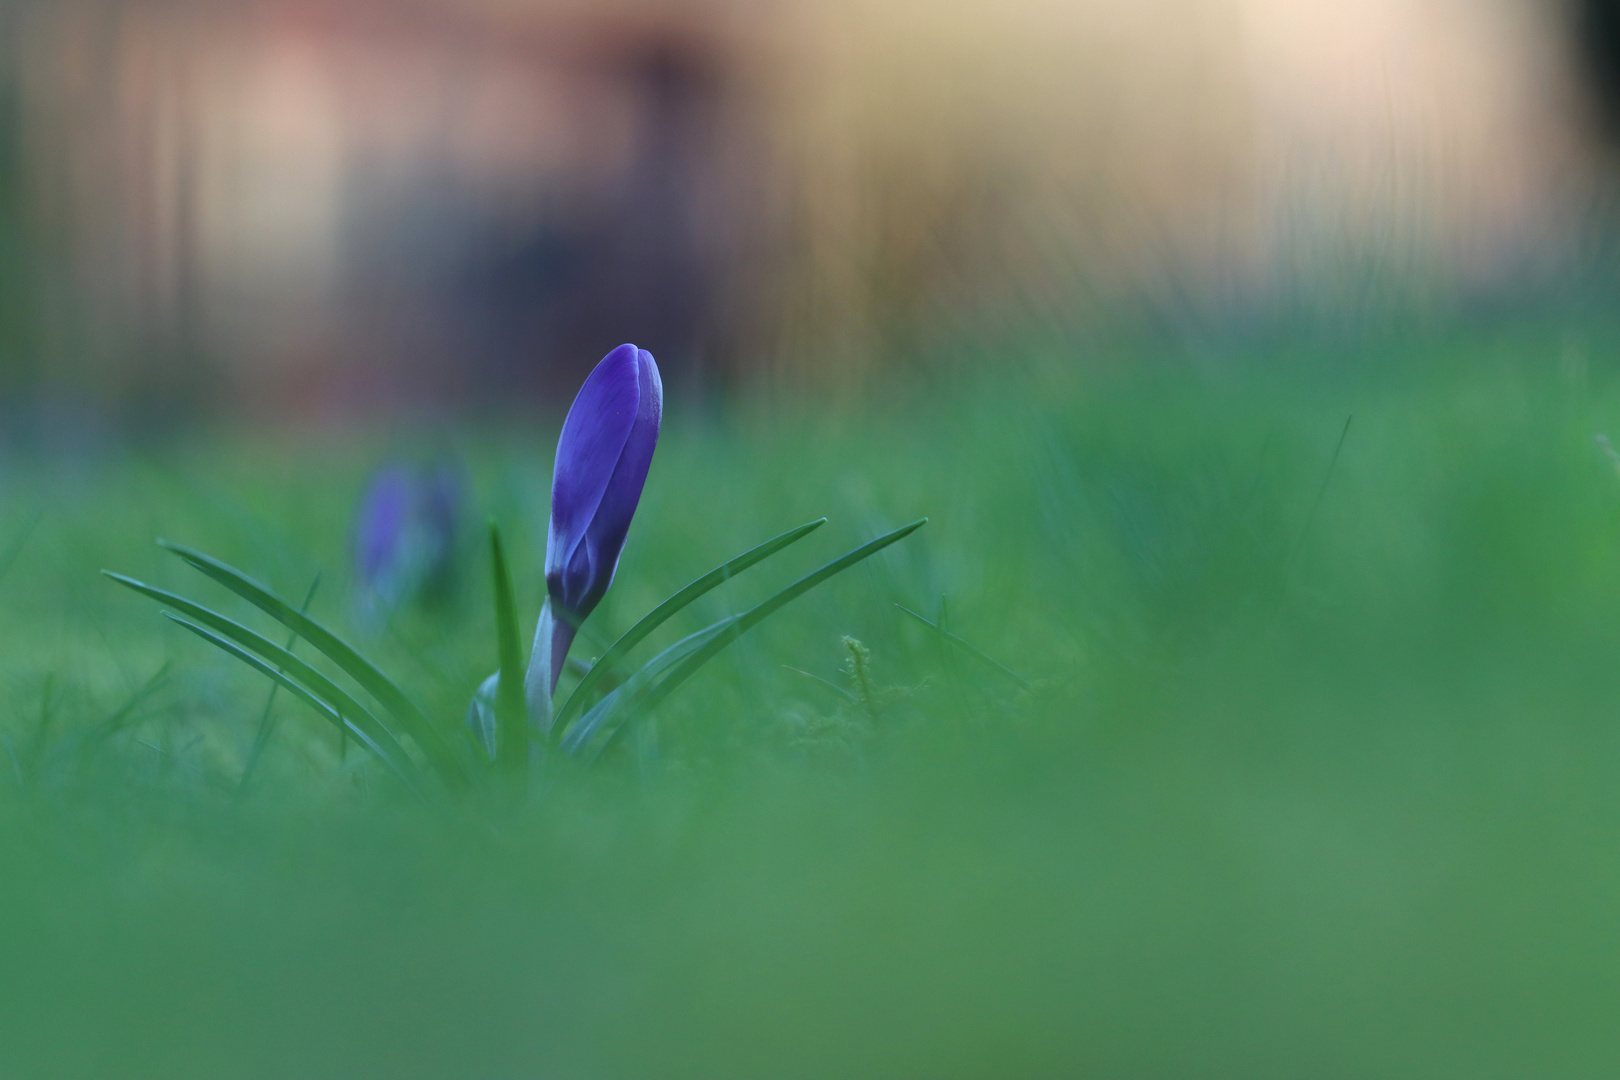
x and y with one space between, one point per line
332 208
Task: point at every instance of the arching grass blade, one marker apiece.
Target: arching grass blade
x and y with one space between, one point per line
267 720
683 660
607 713
828 683
970 648
334 696
295 688
410 718
660 614
511 714
760 612
121 716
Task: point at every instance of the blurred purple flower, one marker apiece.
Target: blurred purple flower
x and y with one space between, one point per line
385 509
603 456
405 533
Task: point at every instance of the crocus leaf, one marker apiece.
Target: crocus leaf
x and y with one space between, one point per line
512 748
404 711
297 689
663 612
329 692
481 715
267 719
606 715
682 660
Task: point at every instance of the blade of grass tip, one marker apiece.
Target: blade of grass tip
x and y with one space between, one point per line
511 713
738 625
363 671
298 690
1321 493
116 721
828 683
970 648
14 549
120 717
334 696
267 721
173 760
663 612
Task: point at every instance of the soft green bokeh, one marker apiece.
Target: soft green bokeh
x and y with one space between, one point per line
1342 801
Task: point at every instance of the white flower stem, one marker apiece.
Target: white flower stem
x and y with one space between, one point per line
552 639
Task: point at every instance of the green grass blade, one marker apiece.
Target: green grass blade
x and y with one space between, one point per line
121 716
828 683
404 711
333 695
267 719
481 721
608 712
970 648
647 695
294 687
511 714
126 715
1321 492
660 614
760 612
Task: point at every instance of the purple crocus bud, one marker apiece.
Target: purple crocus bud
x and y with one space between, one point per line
380 529
405 534
602 460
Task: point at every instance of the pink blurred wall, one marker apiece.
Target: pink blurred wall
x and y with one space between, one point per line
350 204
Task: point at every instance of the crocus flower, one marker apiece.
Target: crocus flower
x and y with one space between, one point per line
405 533
603 455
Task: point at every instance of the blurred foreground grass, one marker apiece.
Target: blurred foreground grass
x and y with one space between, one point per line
1316 779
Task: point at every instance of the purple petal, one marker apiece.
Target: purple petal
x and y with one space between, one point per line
592 505
592 439
611 525
385 512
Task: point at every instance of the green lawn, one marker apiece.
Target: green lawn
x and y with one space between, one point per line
1319 773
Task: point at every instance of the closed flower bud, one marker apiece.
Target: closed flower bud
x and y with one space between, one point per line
603 456
405 535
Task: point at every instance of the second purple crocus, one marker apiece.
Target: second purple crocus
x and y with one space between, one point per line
603 456
405 535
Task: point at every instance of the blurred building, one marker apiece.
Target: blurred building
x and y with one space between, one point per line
345 205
